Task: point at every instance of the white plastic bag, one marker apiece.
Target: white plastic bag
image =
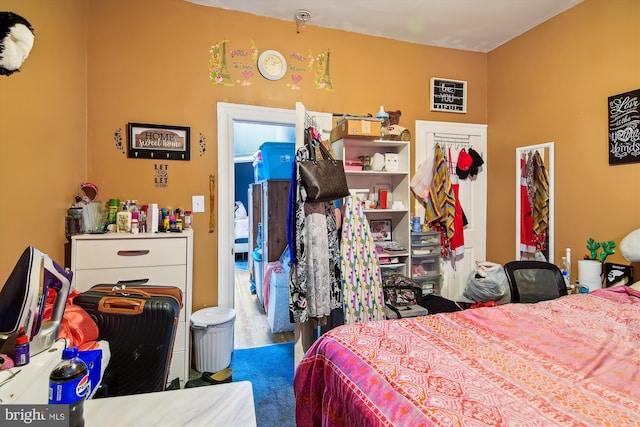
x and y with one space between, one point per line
488 282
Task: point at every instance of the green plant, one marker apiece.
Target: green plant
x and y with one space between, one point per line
607 249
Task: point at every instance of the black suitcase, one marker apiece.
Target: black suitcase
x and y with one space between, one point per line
139 323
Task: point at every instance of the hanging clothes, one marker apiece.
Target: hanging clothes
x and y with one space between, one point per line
527 235
538 187
314 279
361 276
440 203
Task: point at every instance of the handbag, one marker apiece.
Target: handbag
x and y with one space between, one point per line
324 178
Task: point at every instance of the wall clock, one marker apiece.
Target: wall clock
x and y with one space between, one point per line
272 65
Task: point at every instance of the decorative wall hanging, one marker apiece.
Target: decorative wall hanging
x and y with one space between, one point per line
624 128
16 42
161 178
203 145
323 75
448 95
148 141
230 66
117 136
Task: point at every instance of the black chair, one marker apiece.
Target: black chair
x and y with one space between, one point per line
533 281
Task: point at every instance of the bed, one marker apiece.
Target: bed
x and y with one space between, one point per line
572 361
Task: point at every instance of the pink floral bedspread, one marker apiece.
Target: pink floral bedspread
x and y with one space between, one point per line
573 361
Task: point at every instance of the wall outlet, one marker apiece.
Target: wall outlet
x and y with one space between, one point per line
197 204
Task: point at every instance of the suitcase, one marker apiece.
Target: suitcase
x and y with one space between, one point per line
139 322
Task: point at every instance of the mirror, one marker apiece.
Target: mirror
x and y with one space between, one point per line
535 202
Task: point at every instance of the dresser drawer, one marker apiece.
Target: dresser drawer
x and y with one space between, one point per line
123 253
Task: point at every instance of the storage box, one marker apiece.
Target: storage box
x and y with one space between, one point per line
277 161
355 127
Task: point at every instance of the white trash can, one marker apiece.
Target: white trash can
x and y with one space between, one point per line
212 338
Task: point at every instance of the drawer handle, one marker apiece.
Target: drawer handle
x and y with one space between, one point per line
133 253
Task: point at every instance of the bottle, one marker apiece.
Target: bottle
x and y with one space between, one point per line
187 220
134 222
565 272
69 385
21 355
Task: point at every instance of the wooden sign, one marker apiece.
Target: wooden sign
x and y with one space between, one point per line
624 128
448 95
148 141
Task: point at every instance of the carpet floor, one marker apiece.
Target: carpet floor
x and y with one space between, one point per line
270 370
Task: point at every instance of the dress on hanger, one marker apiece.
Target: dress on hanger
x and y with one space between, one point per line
314 280
361 276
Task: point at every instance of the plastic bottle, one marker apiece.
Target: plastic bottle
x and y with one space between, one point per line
187 220
21 355
69 385
563 270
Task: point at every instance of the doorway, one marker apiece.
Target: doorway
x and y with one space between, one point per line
234 126
472 194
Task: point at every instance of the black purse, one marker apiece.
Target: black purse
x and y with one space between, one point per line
324 178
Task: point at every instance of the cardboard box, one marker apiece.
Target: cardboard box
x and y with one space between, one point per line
355 127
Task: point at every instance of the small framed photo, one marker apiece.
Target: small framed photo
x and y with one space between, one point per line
617 274
160 142
380 229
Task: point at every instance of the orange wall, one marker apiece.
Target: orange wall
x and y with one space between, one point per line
552 84
43 130
153 68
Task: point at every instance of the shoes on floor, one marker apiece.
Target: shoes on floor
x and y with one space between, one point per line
220 377
208 378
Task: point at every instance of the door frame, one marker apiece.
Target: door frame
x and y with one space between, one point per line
227 114
454 279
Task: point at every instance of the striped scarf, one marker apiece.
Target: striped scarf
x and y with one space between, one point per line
440 205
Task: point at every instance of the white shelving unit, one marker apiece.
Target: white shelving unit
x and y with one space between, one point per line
395 181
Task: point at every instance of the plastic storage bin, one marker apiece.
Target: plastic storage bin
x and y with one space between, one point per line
277 161
213 338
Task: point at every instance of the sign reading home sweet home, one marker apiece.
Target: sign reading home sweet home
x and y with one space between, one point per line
448 95
624 128
149 141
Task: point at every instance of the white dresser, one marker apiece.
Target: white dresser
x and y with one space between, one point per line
160 258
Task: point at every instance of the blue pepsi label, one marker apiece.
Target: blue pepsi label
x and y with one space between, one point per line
68 392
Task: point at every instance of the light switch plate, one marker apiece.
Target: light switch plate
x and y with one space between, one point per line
197 204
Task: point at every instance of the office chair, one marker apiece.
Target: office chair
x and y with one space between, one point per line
533 281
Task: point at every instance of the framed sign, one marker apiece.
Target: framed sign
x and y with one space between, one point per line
160 142
624 128
448 95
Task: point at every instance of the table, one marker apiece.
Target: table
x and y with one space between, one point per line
223 405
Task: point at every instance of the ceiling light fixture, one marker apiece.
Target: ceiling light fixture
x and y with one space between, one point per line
301 17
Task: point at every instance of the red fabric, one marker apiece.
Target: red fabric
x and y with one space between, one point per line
77 326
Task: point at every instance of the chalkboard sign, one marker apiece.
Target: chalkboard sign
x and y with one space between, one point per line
448 95
624 128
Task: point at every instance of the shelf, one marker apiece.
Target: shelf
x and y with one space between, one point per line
397 183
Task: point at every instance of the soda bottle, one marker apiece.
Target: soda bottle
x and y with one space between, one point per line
69 384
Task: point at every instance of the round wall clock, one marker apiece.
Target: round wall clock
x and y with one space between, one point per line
272 65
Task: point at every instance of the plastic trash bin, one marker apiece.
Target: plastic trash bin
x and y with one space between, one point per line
213 338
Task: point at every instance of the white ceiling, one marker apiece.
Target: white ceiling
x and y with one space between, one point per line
475 25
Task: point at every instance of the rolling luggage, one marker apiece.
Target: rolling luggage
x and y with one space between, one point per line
139 322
